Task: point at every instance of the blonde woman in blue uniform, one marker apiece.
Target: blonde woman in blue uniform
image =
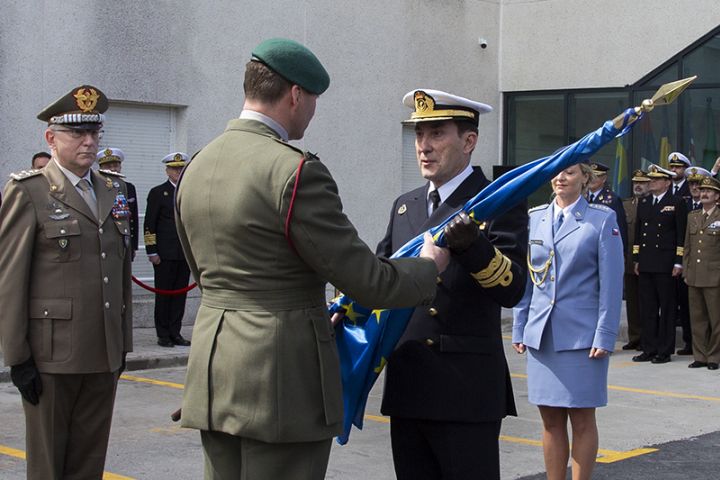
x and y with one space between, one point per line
568 319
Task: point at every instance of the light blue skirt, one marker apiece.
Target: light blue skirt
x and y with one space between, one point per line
565 379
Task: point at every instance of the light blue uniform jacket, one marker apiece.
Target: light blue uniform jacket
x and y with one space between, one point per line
582 291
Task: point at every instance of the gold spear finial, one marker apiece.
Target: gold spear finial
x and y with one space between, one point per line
665 95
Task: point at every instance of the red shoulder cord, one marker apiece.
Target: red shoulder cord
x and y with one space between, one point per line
288 218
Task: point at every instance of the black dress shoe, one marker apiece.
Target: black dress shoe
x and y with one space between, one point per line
165 342
179 340
712 366
697 364
661 359
630 346
685 351
643 357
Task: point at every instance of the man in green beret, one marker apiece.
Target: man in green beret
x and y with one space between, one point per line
263 381
66 326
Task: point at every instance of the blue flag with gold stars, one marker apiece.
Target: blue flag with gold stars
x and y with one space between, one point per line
367 337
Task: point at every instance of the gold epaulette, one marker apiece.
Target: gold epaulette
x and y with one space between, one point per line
25 174
110 172
680 251
636 249
150 238
496 273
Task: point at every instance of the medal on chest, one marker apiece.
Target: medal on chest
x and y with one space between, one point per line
120 208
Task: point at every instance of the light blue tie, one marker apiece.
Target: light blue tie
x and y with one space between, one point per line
558 223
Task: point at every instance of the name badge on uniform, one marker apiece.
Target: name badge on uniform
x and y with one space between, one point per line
120 208
536 242
668 208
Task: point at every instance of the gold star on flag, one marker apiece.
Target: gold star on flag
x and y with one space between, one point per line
379 368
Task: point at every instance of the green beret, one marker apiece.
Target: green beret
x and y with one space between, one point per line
294 62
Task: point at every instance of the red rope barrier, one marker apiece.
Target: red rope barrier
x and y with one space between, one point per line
160 291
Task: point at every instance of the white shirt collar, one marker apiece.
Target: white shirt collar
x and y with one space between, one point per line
709 212
659 197
448 188
74 179
261 117
679 183
557 211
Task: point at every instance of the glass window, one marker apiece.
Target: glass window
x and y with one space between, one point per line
588 112
668 74
702 119
704 62
536 128
656 134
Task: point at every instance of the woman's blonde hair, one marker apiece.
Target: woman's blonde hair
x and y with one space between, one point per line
586 169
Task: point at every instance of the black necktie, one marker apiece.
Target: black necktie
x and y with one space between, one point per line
656 201
696 205
434 199
676 190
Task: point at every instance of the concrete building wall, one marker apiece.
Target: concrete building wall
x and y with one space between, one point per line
558 44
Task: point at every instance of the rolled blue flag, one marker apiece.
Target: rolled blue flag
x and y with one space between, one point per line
367 337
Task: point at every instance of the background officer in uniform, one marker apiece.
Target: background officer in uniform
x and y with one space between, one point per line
165 253
695 176
700 260
599 192
39 160
679 163
65 282
111 159
657 253
447 384
262 225
640 185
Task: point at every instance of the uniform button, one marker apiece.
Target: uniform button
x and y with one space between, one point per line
698 260
698 251
646 224
100 230
701 232
552 278
107 304
657 246
429 342
106 280
438 280
643 244
102 255
644 234
63 231
699 241
125 230
432 311
46 313
552 302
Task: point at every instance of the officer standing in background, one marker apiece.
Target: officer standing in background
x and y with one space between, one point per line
66 324
700 260
695 177
111 159
447 384
39 160
679 163
165 253
640 185
599 192
262 225
657 257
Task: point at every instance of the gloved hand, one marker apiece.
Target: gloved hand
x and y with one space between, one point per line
461 232
26 378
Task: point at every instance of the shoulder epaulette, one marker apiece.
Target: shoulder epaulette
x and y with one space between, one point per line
110 172
306 155
600 206
25 174
539 207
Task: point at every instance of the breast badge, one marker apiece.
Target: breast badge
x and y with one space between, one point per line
402 209
120 208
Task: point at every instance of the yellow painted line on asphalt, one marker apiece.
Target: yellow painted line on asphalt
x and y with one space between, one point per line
605 456
657 393
14 452
152 381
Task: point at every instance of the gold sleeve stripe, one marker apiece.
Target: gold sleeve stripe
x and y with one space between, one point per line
498 272
636 249
680 251
150 239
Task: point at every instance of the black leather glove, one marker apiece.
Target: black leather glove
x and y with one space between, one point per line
461 232
26 378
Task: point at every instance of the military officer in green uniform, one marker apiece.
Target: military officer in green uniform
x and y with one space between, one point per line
263 230
700 259
66 325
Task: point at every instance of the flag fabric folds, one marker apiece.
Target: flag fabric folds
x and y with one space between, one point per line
649 149
367 337
620 184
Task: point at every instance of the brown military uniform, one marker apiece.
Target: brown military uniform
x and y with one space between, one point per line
66 292
701 269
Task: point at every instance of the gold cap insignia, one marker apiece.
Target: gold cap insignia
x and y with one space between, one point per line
402 209
86 99
108 152
674 157
653 169
178 157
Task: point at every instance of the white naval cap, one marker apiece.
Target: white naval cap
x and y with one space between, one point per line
434 105
108 155
176 159
678 159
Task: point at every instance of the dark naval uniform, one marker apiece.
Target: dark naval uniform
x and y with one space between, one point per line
683 305
133 204
611 199
449 367
173 272
659 240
